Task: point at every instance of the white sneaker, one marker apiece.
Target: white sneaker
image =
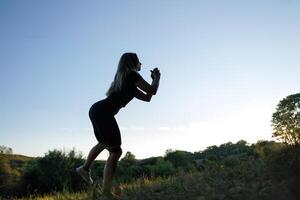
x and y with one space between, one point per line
86 175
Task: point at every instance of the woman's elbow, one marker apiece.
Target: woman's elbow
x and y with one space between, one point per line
149 98
153 92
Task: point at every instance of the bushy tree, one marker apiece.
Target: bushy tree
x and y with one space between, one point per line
127 167
182 160
162 168
5 150
129 157
283 170
286 120
53 172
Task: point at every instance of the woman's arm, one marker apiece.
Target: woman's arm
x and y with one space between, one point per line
142 96
146 87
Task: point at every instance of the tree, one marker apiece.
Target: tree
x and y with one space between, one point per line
128 168
53 172
129 157
5 150
180 159
286 120
161 168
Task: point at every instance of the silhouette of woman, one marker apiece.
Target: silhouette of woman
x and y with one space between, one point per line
122 90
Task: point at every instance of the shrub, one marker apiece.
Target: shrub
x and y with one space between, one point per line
53 172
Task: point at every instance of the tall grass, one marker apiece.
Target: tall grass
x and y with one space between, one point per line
179 187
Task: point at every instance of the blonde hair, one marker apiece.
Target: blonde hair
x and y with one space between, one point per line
128 62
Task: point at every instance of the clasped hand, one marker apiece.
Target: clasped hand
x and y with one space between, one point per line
155 73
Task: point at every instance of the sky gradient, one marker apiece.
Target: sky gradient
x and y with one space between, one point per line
224 66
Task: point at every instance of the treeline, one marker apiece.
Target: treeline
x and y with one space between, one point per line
267 169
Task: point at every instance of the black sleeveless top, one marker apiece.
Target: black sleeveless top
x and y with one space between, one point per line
114 102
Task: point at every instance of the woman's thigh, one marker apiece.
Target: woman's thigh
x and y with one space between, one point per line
107 131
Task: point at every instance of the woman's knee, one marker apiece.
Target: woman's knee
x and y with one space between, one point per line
119 153
100 146
115 151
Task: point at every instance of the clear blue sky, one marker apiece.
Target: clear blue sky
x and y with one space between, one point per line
224 67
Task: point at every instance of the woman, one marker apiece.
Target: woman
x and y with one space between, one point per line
122 90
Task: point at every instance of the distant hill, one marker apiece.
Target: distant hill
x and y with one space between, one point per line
12 165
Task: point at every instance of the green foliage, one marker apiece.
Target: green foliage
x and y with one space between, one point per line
161 168
127 168
266 170
286 120
283 169
266 149
225 153
97 170
181 160
129 157
11 168
53 172
6 174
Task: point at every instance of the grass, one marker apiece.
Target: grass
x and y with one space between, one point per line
183 186
179 187
57 196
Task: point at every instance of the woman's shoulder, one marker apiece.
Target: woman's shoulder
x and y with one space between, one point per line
134 75
133 72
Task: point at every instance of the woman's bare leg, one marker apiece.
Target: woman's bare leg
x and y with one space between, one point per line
94 152
110 170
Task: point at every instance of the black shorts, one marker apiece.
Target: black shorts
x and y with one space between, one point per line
105 126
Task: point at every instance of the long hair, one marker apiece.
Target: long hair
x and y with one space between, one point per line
127 63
